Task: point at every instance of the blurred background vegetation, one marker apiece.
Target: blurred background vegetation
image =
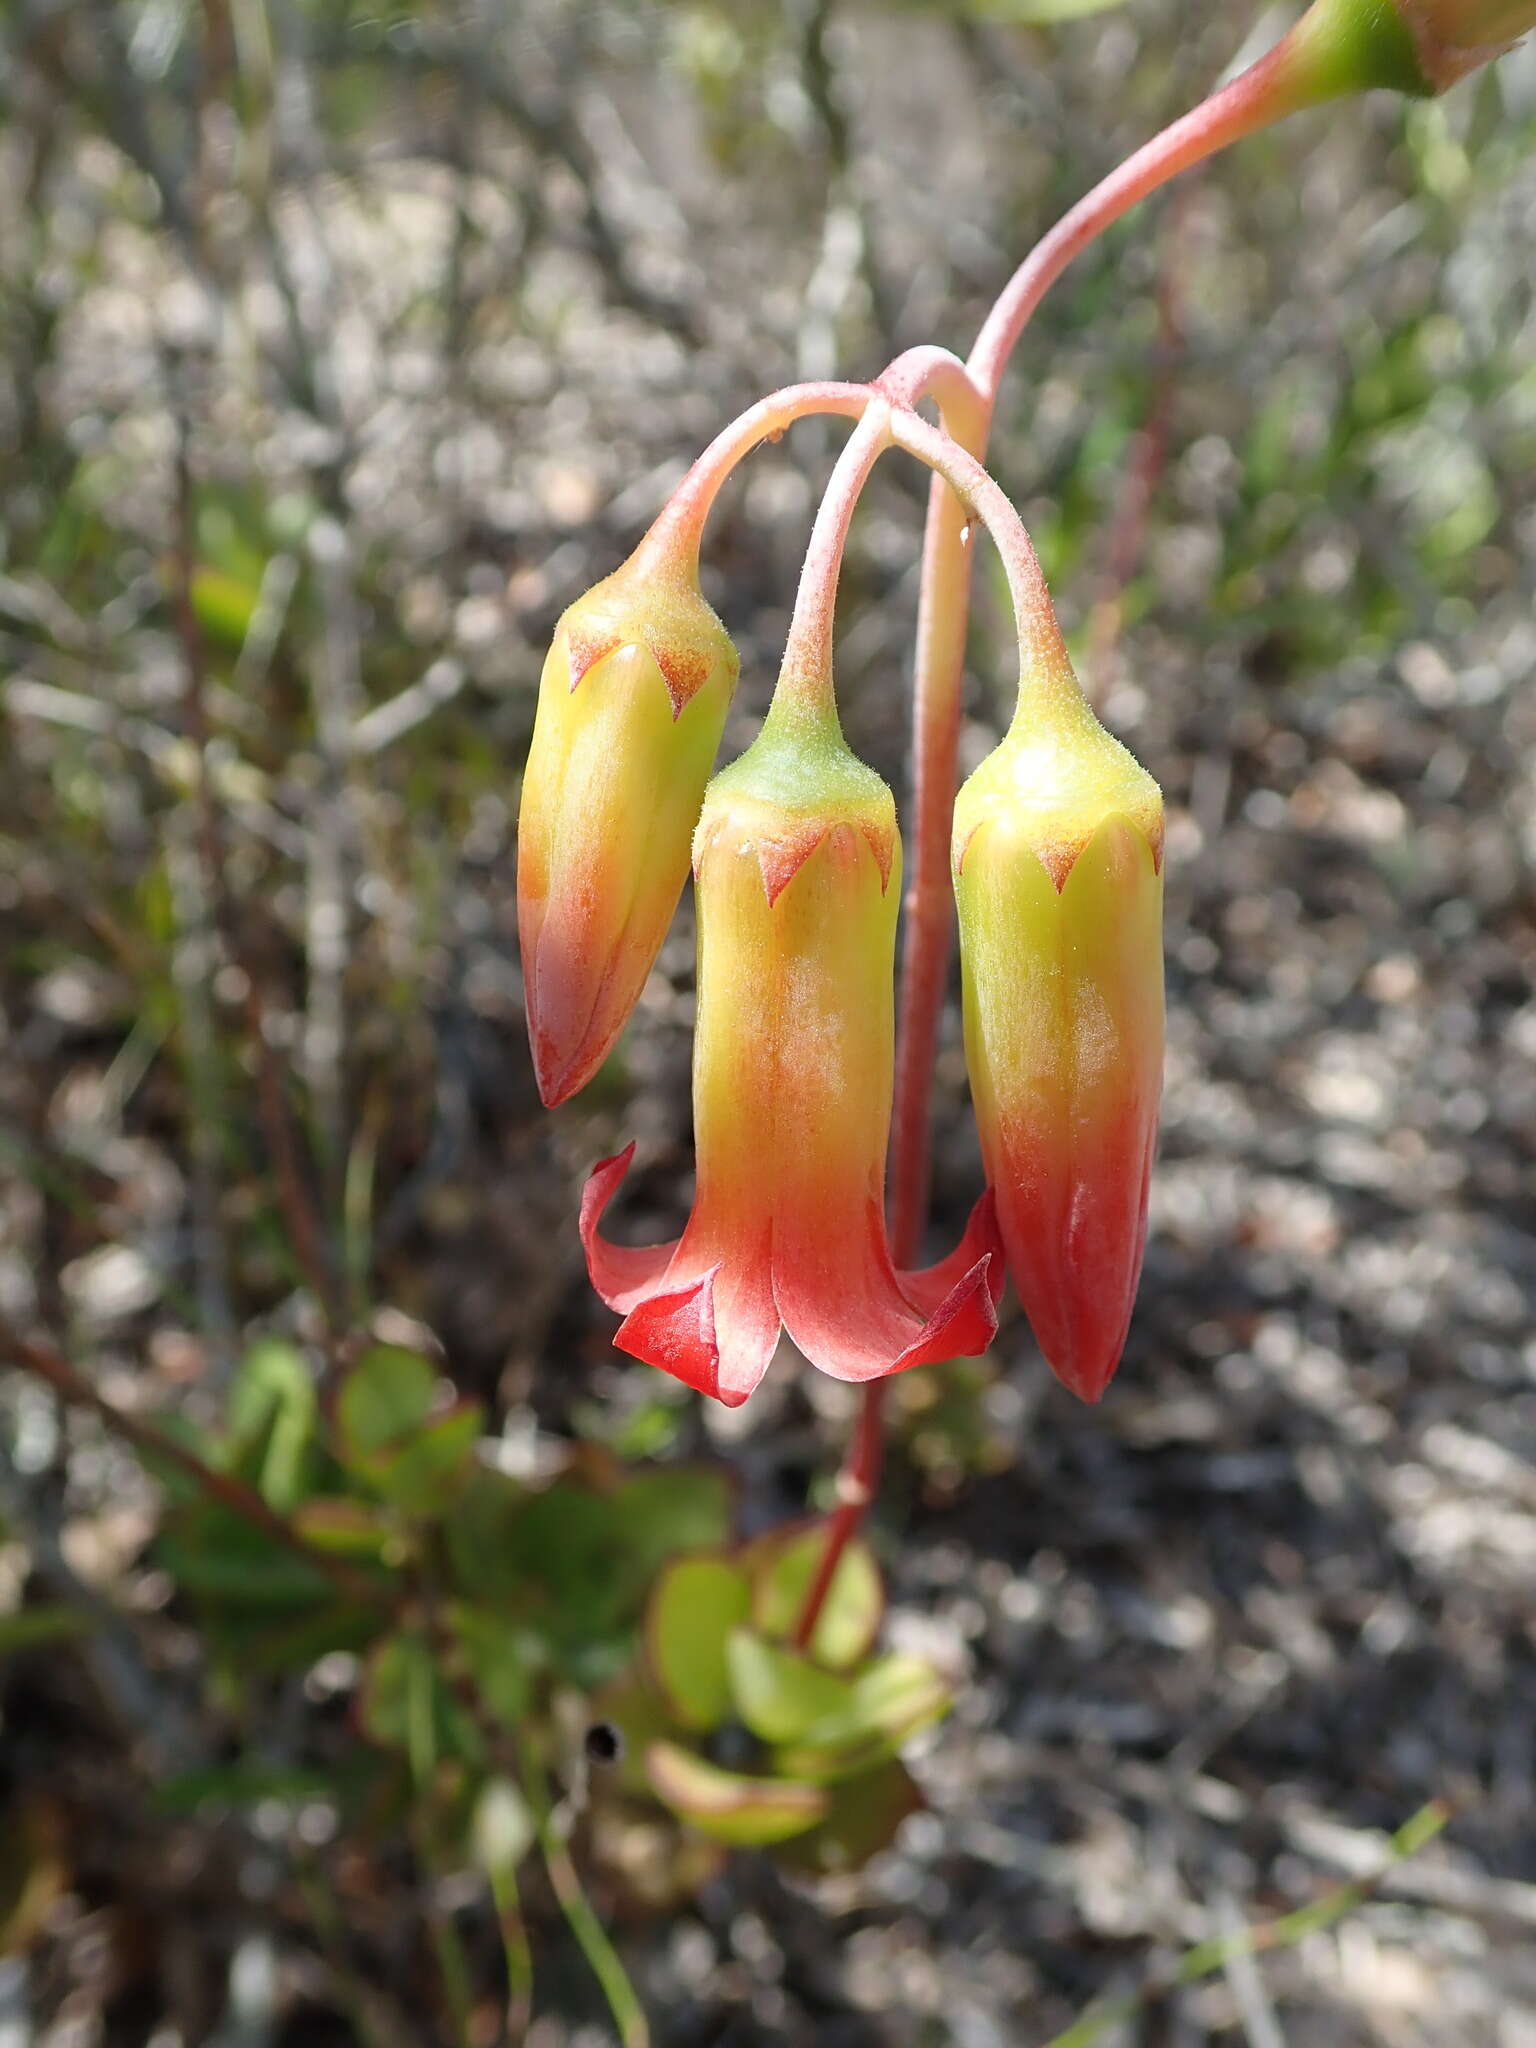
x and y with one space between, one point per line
342 348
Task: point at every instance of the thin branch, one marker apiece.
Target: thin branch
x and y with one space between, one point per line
551 127
41 1361
1208 1958
111 1650
305 1229
857 1483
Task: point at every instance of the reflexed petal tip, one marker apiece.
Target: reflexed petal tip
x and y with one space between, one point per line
962 1321
620 1274
796 865
670 1315
679 1322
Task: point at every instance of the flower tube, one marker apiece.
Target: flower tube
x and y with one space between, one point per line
797 878
1455 36
1412 46
632 703
1057 860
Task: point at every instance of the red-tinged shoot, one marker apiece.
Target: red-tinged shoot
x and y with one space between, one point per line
1058 846
797 877
632 703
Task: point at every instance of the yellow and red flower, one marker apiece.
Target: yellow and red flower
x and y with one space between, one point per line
632 703
1412 46
1058 844
1453 37
797 877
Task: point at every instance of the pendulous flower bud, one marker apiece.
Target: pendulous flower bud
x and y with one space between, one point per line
797 879
632 704
1412 46
1057 859
1453 37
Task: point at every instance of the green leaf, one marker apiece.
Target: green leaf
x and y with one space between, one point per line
577 1560
224 605
238 1785
216 1554
641 1716
694 1605
347 1528
424 1474
742 1812
889 1703
498 1660
34 1626
391 1438
778 1693
862 1817
258 1641
181 1487
672 1508
477 1532
386 1394
783 1568
273 1411
407 1705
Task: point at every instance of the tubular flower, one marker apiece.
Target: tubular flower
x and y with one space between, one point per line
631 707
1453 37
1057 858
1412 46
796 875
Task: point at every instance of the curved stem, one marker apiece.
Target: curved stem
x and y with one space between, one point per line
805 675
680 523
1040 641
929 372
918 373
1277 85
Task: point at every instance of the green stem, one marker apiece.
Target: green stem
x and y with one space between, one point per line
515 1948
1207 1958
590 1935
452 1962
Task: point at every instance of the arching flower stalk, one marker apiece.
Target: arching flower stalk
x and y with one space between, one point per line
1057 857
797 866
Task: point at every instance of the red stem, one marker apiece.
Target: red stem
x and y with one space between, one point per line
856 1484
1149 454
805 675
680 524
1276 85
